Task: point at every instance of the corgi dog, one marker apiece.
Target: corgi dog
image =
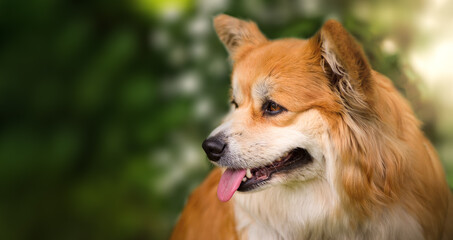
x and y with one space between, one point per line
317 145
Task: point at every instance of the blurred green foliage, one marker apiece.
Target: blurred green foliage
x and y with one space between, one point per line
104 106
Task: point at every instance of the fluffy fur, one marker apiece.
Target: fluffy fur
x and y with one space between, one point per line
374 175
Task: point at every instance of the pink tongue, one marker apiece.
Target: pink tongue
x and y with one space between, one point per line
229 183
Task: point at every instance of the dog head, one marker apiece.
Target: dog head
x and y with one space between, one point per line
288 98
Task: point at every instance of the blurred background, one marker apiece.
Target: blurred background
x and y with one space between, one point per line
104 104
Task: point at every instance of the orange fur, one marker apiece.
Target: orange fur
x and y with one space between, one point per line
384 159
205 217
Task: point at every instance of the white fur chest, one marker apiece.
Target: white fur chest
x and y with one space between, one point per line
284 212
311 212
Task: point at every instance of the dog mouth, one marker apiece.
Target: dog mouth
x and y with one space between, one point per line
257 177
245 180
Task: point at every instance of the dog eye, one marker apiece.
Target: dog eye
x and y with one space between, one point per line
234 103
272 108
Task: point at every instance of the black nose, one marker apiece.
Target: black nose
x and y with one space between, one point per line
214 148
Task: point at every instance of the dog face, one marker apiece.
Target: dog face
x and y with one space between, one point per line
273 127
287 97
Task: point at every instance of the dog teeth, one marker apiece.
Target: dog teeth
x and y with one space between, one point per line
249 173
244 179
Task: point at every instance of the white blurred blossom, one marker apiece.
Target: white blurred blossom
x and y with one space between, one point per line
199 26
160 39
212 6
389 46
203 108
189 83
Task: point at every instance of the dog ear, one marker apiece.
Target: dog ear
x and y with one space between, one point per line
235 33
346 66
369 173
